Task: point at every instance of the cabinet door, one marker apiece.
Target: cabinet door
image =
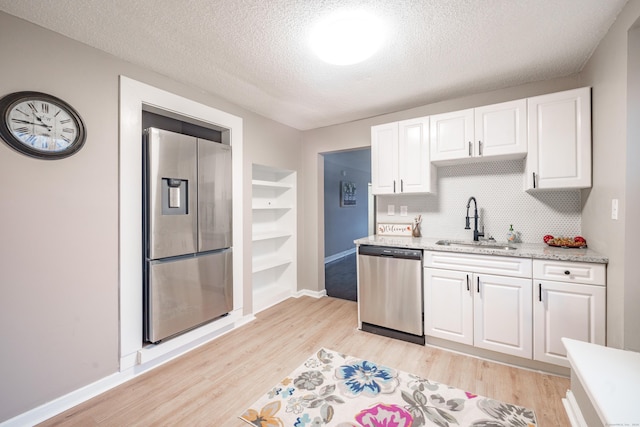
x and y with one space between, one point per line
414 169
452 136
384 158
501 130
559 140
502 314
566 310
448 305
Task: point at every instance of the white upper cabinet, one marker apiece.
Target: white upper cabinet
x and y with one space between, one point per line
400 158
501 130
559 140
384 158
452 136
491 132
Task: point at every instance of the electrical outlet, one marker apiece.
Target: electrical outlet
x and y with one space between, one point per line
403 211
391 209
614 208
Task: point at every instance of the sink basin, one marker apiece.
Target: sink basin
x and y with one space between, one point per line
484 245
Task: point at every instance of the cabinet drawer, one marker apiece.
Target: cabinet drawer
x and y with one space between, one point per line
564 271
489 264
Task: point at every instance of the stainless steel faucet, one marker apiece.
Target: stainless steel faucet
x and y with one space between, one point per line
476 233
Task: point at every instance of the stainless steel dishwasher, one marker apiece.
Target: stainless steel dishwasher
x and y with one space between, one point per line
390 300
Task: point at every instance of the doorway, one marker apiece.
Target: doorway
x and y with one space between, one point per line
347 213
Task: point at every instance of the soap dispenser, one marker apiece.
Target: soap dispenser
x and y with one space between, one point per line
511 235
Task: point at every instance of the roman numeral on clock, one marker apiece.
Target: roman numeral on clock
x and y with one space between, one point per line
22 130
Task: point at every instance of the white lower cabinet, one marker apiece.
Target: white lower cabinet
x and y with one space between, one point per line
567 308
502 315
448 305
491 302
489 311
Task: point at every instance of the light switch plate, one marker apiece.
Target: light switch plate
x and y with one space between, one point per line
403 211
391 209
614 208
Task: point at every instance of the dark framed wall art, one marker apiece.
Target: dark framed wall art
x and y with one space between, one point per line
347 194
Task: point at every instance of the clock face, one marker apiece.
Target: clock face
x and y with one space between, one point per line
41 125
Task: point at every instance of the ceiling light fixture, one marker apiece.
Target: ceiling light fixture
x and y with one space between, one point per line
347 38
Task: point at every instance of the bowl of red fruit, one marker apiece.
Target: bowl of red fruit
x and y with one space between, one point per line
565 242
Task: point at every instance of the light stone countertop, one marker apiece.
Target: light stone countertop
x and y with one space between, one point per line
524 250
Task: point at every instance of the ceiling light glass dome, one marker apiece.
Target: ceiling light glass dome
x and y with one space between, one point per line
347 38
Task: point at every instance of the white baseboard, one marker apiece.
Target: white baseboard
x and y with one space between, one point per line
61 404
339 255
310 293
147 359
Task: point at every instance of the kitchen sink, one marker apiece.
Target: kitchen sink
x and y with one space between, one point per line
484 245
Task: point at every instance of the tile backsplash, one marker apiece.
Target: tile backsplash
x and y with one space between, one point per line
499 190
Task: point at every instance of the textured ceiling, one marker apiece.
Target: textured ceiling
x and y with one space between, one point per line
254 53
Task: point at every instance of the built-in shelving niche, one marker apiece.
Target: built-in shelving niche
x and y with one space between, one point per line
274 261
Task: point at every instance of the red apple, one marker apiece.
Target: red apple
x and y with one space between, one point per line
547 238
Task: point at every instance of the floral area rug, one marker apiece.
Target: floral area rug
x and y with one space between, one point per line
332 389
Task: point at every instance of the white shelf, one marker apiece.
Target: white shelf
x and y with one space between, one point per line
269 207
271 184
268 262
267 235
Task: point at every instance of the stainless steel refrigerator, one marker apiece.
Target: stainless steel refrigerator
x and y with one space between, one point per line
187 226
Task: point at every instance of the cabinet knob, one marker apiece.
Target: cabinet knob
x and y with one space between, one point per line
567 272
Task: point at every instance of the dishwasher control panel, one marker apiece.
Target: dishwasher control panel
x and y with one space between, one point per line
390 252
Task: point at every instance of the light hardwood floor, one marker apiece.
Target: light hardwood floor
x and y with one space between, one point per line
214 384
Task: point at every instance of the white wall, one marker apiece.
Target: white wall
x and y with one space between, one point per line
632 196
606 72
59 230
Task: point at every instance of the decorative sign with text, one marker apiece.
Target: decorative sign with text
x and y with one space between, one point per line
394 230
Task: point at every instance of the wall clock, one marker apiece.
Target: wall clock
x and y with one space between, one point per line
40 125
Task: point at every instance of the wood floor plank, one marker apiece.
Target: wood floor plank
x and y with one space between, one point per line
213 384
